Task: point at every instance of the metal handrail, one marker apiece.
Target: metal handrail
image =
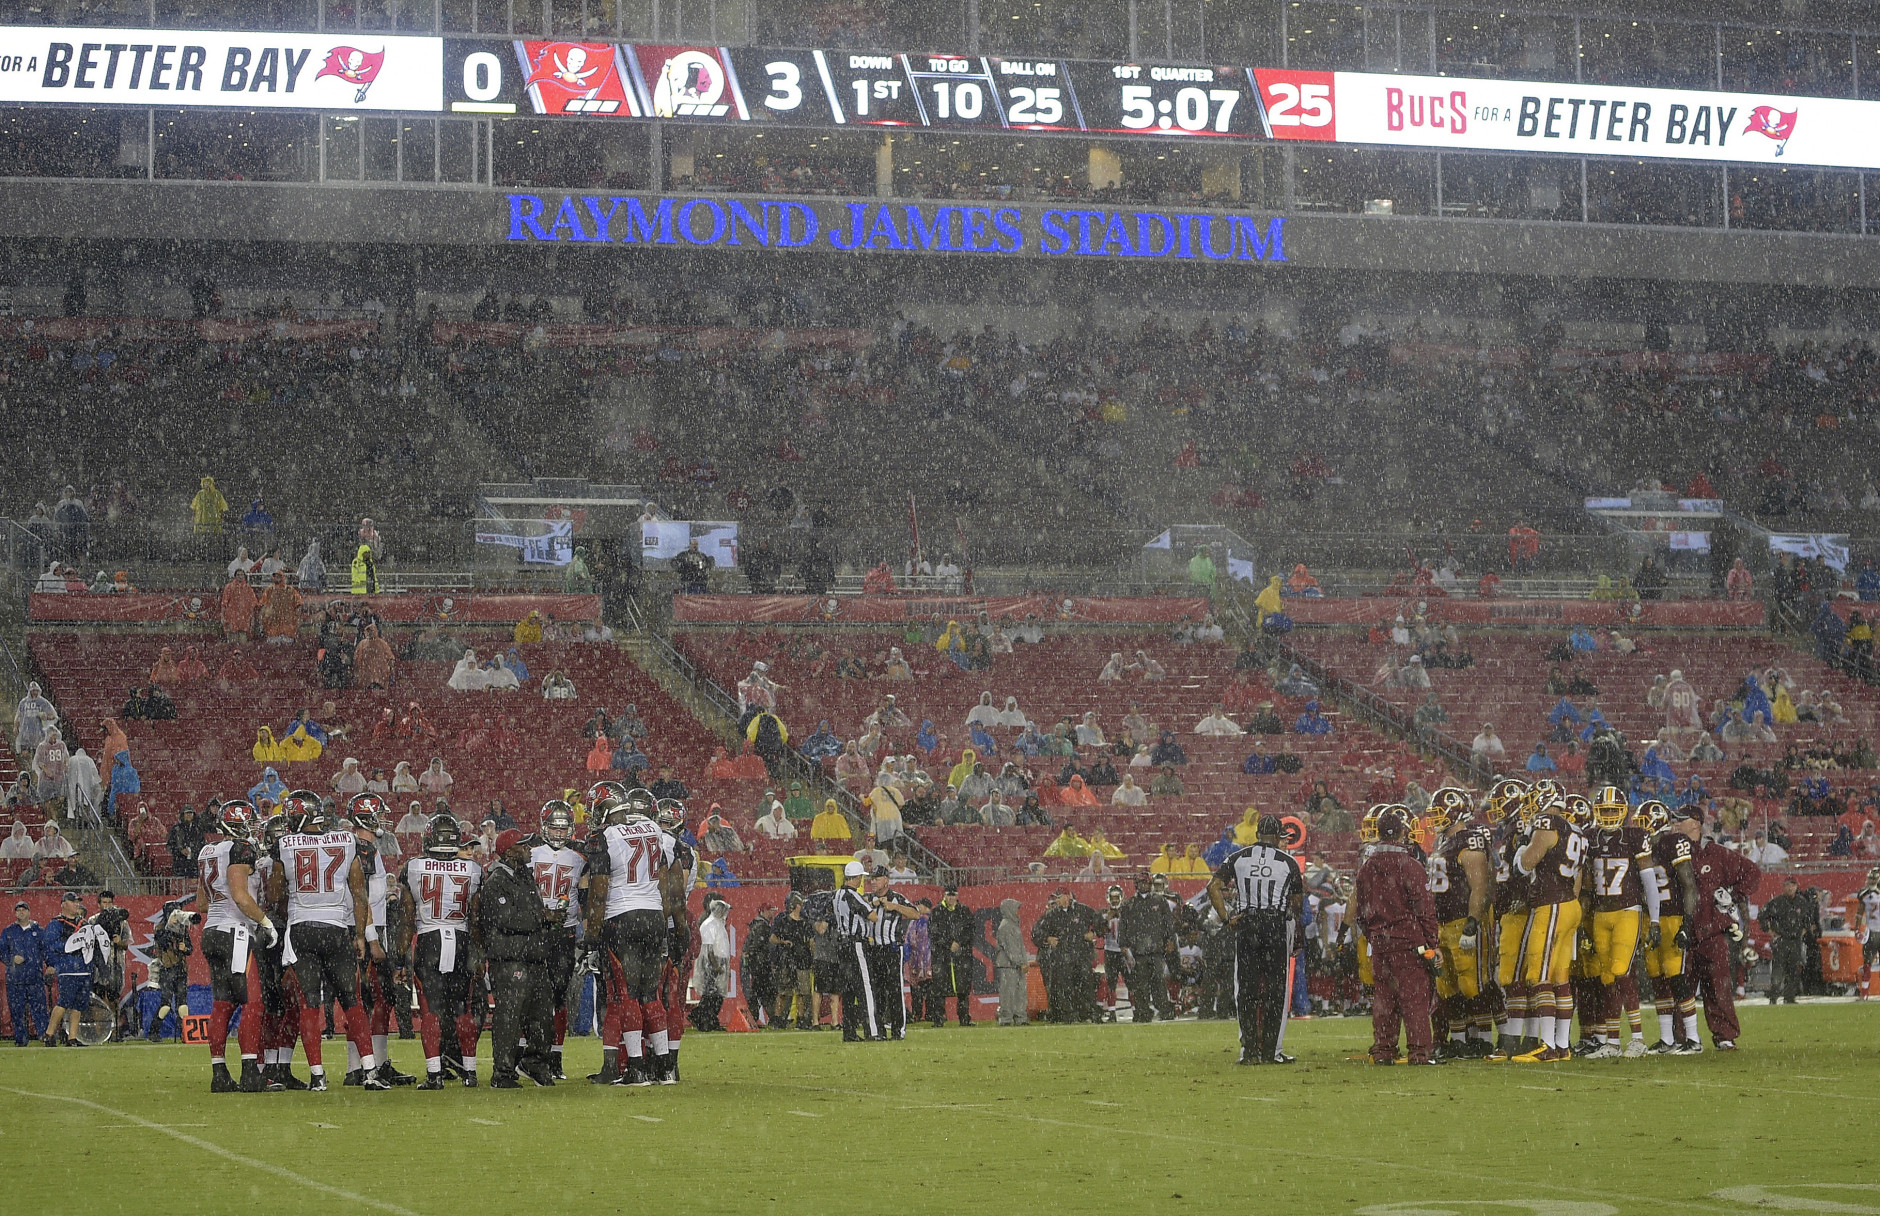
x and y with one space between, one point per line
86 813
1380 713
794 761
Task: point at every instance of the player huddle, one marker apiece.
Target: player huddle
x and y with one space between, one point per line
1545 905
295 916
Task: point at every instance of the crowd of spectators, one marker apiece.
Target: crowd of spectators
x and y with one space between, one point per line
1098 414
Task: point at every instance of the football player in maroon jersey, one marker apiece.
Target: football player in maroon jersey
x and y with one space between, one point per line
1462 883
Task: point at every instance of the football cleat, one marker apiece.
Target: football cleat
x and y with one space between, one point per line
254 1081
469 1079
1662 1048
1499 1055
1280 1057
317 1085
1605 1051
372 1080
633 1073
432 1081
220 1082
1689 1047
1248 1057
1544 1055
354 1079
1726 1044
505 1083
392 1076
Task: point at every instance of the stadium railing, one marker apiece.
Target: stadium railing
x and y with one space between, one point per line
664 654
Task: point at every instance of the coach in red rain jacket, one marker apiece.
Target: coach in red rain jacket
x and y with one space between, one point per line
1725 881
1397 916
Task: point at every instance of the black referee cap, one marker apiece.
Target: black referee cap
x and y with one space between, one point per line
1270 825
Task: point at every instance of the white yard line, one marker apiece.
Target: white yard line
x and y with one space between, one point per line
268 1167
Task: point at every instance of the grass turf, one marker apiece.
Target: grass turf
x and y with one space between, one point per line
1087 1119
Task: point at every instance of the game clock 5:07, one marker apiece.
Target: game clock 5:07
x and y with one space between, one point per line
1165 99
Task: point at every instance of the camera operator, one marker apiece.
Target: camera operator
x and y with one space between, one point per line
108 974
170 946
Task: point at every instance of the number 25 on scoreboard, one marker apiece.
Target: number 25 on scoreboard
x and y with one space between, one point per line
1296 105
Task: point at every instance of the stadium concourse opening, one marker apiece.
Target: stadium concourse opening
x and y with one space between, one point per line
1044 592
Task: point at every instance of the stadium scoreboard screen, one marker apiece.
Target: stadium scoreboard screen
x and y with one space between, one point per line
821 88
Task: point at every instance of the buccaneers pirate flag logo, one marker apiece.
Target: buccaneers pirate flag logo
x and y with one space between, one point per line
1773 124
354 66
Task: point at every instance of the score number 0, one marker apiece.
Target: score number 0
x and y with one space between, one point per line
1192 107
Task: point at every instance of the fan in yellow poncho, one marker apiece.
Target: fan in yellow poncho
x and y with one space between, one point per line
1164 862
1267 602
830 825
1247 831
266 750
1099 843
208 507
1068 844
529 628
300 746
964 769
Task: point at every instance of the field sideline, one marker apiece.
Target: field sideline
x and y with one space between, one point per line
1132 1119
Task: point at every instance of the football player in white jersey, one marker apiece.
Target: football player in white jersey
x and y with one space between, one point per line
280 992
232 922
438 895
366 815
558 866
628 914
681 939
1866 922
329 926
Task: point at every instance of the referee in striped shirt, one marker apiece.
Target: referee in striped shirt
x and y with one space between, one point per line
853 915
882 953
1267 891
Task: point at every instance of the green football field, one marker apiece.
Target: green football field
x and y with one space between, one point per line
1040 1119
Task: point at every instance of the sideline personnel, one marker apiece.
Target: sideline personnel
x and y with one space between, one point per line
513 929
1398 917
1269 891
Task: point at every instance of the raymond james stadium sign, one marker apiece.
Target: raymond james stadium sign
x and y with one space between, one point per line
897 227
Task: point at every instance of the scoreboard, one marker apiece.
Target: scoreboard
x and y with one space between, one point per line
823 88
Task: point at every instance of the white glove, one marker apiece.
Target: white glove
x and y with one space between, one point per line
269 935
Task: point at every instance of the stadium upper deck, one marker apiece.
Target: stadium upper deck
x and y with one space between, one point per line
1324 112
